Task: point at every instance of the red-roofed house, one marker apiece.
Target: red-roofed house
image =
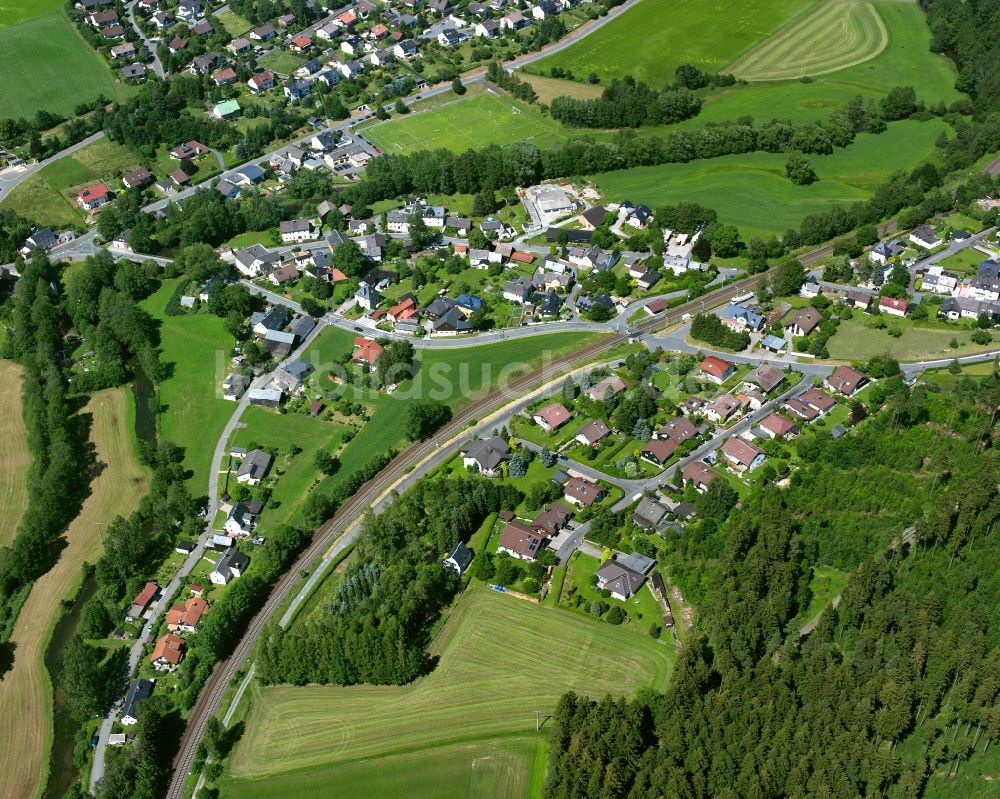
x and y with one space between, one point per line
846 380
777 426
892 306
403 310
716 369
93 196
337 276
345 19
299 43
168 652
142 601
379 31
185 617
367 351
224 77
261 82
552 417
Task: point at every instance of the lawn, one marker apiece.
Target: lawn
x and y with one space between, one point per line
643 609
964 262
726 183
194 412
492 769
49 197
548 89
465 124
269 429
46 64
650 40
907 61
828 37
501 660
282 61
17 11
15 457
234 24
855 341
25 691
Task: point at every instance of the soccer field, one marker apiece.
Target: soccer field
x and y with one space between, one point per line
466 124
501 659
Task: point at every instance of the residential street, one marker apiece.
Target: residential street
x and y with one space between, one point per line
11 178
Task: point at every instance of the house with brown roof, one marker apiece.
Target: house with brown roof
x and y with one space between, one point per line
846 381
721 408
552 519
137 178
767 377
658 451
742 455
150 591
700 474
185 617
552 417
168 652
804 322
609 387
892 306
592 432
582 492
778 426
716 369
679 429
815 398
520 541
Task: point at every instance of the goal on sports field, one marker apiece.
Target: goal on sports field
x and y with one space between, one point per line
514 109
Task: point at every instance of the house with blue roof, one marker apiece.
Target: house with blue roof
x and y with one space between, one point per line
740 318
468 303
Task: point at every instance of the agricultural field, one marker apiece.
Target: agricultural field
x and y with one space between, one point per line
466 124
15 457
49 196
26 691
501 660
548 89
907 61
194 413
727 183
652 39
15 12
828 37
46 64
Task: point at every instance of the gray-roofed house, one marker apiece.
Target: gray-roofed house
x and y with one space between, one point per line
138 692
648 513
458 559
367 297
621 581
487 454
767 376
230 565
274 319
253 468
302 327
279 342
235 386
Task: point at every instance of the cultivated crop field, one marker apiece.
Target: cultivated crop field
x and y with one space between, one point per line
751 191
650 40
466 124
501 659
44 63
26 691
828 37
15 458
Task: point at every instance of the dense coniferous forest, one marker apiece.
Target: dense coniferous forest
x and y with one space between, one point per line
899 682
375 629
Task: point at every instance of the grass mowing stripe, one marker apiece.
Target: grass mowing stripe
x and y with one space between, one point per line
25 691
500 660
15 457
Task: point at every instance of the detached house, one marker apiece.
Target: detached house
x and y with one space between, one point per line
658 451
261 82
924 236
582 492
621 581
185 617
520 541
716 369
487 455
700 474
298 230
607 388
892 306
552 519
804 322
253 468
168 652
742 455
592 432
846 381
149 593
93 196
552 417
230 566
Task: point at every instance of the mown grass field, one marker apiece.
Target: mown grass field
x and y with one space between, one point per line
49 196
855 341
13 12
15 457
234 24
195 414
491 769
466 124
827 37
907 61
26 691
650 40
751 191
501 659
548 89
282 61
46 64
266 428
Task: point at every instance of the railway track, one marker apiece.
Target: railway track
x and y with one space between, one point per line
210 700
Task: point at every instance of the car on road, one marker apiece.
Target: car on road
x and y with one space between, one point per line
358 329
